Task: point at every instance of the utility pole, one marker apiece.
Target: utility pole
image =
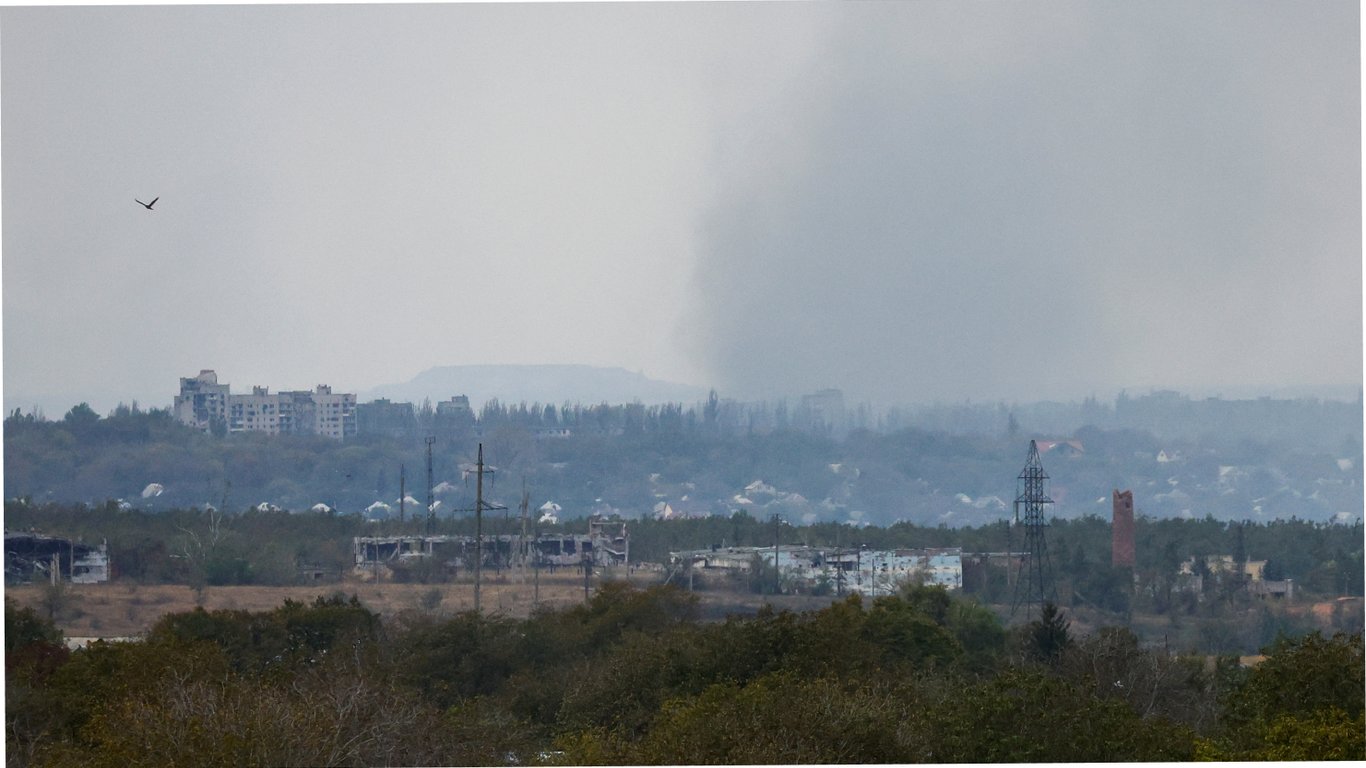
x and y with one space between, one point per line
522 544
431 501
777 534
536 566
839 564
479 507
402 493
858 565
587 573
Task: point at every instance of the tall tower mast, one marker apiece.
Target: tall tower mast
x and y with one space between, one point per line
1034 585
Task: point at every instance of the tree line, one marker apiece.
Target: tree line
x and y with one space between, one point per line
633 677
631 458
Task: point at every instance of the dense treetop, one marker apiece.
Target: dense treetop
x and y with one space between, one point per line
632 677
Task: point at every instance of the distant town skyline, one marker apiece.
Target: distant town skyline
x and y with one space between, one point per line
920 202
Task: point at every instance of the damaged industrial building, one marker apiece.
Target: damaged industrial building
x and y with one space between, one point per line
416 557
842 570
33 557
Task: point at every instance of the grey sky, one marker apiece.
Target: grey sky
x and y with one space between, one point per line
889 198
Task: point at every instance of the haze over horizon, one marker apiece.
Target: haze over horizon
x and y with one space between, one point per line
916 202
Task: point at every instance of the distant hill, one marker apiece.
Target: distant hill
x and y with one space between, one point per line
551 384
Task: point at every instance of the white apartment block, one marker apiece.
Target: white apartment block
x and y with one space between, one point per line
334 415
202 401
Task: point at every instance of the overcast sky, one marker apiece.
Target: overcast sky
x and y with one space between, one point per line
911 201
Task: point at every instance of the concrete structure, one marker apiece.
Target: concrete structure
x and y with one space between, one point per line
1223 565
610 540
822 411
334 413
458 407
381 417
257 412
1276 590
203 403
867 571
35 557
606 543
1122 530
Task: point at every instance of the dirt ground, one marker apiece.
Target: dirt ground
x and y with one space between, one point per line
127 609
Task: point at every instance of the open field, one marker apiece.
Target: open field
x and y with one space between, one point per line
123 609
120 609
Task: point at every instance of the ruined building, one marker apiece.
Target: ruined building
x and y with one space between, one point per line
408 556
842 570
204 403
33 557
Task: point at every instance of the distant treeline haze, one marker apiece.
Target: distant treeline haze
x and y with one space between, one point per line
1254 460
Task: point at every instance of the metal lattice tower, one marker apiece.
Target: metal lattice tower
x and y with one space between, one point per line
1034 583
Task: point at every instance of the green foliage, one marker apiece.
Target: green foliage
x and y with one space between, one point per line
464 656
633 677
81 417
780 718
1301 676
24 627
331 716
1305 701
1112 664
479 731
1030 716
1324 734
617 607
33 653
978 632
1048 636
790 719
907 634
287 638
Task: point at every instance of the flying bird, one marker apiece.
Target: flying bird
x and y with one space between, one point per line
148 206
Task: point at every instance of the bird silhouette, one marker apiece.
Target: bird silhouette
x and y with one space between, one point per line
148 206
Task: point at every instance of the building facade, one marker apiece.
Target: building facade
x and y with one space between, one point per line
844 570
382 417
203 402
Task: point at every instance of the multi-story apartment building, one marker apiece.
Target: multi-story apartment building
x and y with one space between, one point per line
202 401
382 417
257 412
334 415
823 410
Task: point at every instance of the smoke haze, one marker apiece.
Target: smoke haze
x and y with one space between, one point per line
910 201
990 201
